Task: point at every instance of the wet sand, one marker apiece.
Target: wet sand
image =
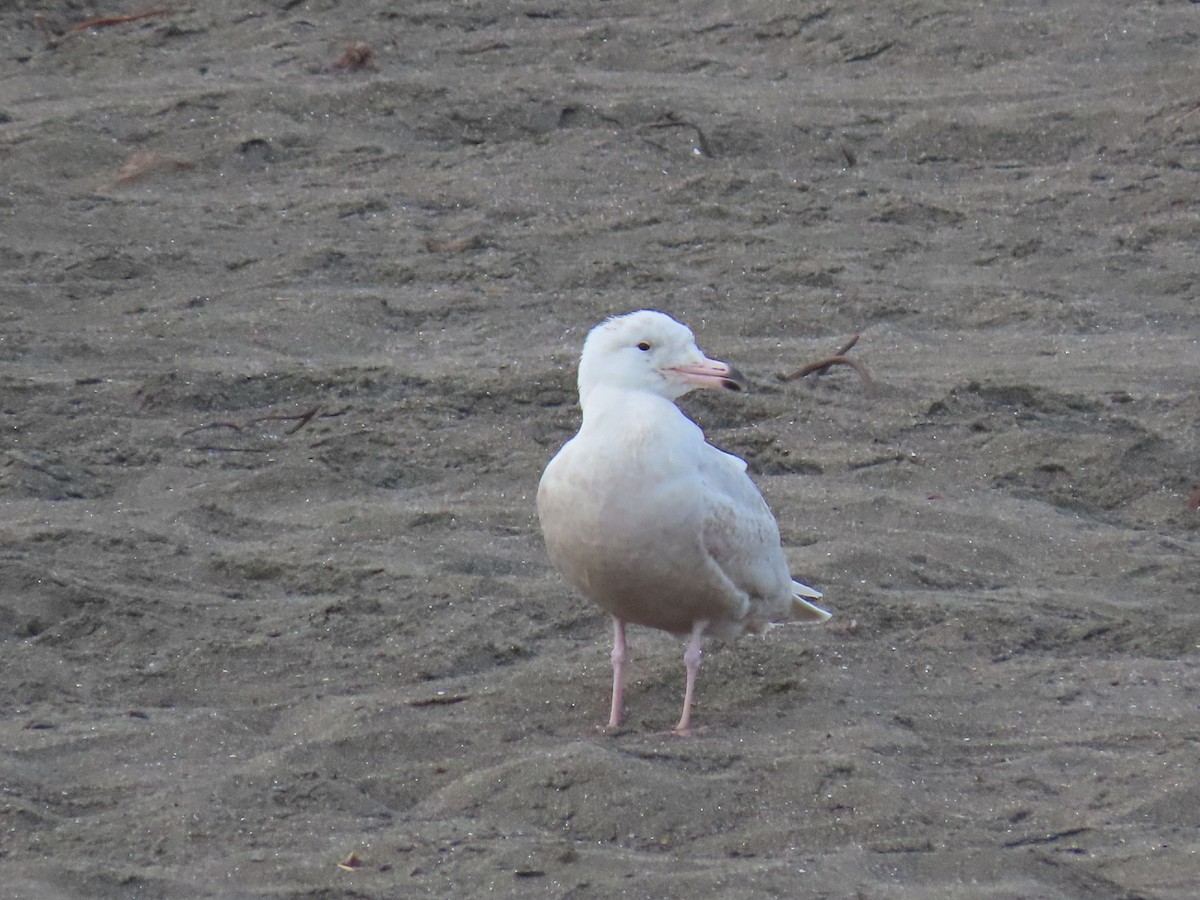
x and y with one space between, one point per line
284 346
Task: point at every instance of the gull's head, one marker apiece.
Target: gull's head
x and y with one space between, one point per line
650 351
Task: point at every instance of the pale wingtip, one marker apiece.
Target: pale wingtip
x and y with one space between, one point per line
802 610
800 589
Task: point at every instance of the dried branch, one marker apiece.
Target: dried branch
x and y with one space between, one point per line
841 351
839 358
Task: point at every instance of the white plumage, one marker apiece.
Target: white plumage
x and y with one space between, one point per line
650 521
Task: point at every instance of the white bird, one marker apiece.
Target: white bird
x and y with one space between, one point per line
650 521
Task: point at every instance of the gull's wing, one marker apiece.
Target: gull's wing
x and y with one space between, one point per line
742 540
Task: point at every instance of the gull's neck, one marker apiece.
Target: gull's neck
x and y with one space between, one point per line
605 403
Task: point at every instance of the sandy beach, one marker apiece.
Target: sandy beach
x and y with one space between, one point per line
291 302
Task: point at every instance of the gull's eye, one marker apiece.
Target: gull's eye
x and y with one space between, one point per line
643 345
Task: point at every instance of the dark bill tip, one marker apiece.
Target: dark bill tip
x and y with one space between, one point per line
734 381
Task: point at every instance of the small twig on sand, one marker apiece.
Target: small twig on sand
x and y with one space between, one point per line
105 21
143 164
301 419
821 366
52 34
233 425
701 141
440 700
355 57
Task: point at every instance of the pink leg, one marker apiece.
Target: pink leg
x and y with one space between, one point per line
618 664
691 660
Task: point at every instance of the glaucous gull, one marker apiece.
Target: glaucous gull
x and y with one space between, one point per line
650 521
